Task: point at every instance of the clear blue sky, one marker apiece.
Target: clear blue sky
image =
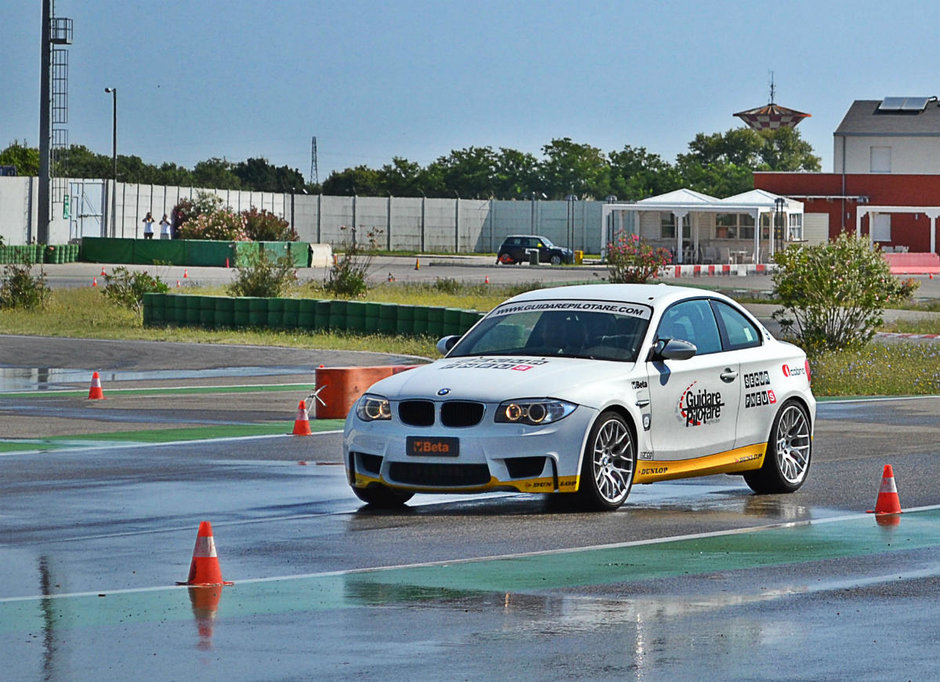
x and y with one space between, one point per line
417 78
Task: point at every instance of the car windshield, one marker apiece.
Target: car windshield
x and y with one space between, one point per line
599 330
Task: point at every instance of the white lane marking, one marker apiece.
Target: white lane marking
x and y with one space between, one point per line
137 444
495 557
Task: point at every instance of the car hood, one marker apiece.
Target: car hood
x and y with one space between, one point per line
493 379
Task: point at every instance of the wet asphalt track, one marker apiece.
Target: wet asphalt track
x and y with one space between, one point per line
100 502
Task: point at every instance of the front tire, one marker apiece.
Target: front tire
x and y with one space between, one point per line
789 453
609 463
382 497
556 260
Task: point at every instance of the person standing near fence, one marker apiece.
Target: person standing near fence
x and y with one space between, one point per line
148 226
164 228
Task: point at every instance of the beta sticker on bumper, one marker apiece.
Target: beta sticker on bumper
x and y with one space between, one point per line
432 447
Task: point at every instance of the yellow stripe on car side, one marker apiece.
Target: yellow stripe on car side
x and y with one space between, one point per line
730 462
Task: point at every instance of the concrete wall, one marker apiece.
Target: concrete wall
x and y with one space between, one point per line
399 223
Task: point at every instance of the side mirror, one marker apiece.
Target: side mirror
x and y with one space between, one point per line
673 349
445 344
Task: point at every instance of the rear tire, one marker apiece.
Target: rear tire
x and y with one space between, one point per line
608 465
382 496
789 453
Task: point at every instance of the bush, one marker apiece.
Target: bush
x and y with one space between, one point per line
349 272
834 295
630 260
263 226
261 275
20 289
190 209
127 288
222 224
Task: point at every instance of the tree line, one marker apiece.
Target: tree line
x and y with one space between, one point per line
719 164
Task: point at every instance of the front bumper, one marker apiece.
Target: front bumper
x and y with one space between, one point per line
492 456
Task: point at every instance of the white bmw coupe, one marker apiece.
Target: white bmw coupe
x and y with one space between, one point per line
582 391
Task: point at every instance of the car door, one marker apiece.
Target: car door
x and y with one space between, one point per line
694 402
744 341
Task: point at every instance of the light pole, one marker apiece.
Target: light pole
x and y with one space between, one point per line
779 204
113 92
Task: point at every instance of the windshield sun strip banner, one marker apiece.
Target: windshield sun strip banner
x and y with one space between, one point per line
639 310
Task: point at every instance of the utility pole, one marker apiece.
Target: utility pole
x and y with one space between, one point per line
45 126
314 171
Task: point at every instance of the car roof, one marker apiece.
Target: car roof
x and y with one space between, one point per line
533 236
655 295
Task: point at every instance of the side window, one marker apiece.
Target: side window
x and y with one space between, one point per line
739 331
692 321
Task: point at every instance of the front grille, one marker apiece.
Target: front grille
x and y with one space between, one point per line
461 413
416 412
442 475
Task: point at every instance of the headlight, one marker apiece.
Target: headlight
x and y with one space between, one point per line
533 411
371 408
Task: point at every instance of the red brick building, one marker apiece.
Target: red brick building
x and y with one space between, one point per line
886 170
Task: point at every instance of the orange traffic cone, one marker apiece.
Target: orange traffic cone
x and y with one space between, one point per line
486 280
302 423
94 281
185 274
888 501
204 571
177 284
103 273
417 263
95 392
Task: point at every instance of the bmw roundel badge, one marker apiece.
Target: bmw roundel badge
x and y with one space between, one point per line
443 391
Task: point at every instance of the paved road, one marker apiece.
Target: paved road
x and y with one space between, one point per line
695 578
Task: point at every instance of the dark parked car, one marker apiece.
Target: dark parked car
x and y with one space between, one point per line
513 250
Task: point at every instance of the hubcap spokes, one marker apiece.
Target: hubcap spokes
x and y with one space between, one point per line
793 444
613 461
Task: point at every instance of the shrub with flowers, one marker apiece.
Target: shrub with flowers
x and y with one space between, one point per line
631 260
834 294
223 224
264 226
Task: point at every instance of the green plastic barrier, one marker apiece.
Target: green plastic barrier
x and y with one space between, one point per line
243 250
307 313
355 316
224 311
322 310
420 323
275 313
193 308
404 321
207 311
337 315
241 312
435 325
388 314
151 251
107 250
208 252
257 311
291 313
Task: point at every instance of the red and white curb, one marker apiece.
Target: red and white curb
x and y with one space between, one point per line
717 270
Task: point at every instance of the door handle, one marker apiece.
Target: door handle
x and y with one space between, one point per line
729 375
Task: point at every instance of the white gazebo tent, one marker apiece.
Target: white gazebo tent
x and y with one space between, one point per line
684 202
932 212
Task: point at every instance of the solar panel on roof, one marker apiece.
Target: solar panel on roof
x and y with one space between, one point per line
904 103
892 103
915 104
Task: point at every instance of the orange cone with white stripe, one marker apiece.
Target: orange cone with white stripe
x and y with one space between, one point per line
205 571
95 392
302 423
888 500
